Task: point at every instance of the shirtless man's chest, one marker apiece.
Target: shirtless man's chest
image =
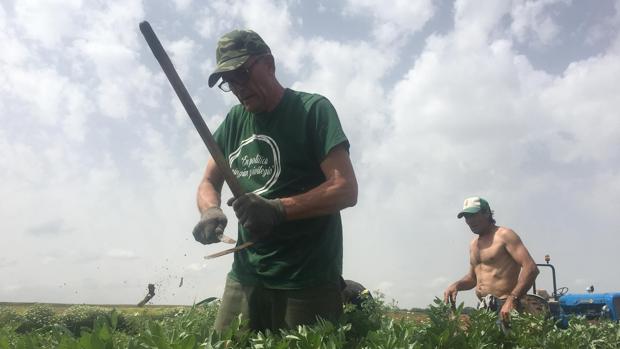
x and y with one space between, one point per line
496 271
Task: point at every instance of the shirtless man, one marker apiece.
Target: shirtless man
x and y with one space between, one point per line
500 265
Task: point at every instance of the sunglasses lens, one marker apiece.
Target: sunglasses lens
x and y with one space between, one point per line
237 77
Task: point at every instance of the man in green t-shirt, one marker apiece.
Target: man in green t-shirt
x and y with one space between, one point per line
291 156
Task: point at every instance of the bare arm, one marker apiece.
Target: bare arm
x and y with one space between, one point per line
528 274
337 192
521 255
467 282
210 188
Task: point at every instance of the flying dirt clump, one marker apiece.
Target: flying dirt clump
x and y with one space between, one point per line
147 298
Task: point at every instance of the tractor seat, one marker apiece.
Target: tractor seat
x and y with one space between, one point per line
543 293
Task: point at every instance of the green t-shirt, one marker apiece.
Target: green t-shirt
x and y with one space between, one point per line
278 154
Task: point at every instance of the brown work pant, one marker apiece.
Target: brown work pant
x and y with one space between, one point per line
267 308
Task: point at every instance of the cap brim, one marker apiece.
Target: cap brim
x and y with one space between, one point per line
468 210
226 66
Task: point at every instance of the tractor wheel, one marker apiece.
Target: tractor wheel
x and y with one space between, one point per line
534 304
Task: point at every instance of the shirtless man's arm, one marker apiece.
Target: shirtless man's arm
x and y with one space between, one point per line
528 273
467 282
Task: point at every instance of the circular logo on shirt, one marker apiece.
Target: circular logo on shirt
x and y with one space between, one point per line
256 163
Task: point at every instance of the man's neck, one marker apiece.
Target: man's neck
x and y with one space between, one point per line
278 93
492 228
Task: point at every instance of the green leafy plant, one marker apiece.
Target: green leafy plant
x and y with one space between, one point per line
9 316
376 325
36 317
77 317
364 319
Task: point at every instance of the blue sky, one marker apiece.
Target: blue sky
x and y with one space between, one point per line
516 101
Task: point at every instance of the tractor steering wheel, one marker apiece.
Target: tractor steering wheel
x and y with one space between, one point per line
561 291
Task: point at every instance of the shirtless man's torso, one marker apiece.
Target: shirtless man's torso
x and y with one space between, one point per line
500 264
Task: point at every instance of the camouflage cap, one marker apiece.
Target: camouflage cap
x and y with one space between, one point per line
234 49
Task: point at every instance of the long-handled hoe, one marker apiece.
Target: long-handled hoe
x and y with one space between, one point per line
178 86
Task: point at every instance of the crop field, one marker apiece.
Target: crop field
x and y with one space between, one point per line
376 325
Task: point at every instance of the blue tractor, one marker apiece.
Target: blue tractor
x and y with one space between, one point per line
592 306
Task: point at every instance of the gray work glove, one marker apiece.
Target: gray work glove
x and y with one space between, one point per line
257 214
211 226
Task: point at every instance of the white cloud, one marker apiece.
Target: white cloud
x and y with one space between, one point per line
11 288
49 228
393 21
7 263
440 281
606 28
53 94
112 99
196 266
156 157
206 26
101 194
41 91
583 106
109 45
78 110
48 22
532 23
477 21
14 50
48 260
182 5
385 286
207 67
278 31
121 254
181 54
19 163
354 89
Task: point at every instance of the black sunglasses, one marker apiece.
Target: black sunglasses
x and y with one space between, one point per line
238 77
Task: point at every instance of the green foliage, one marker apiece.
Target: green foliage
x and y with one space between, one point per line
483 330
368 318
179 328
9 316
369 327
77 317
536 332
37 317
321 335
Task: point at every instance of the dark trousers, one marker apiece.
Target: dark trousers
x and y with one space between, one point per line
267 308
